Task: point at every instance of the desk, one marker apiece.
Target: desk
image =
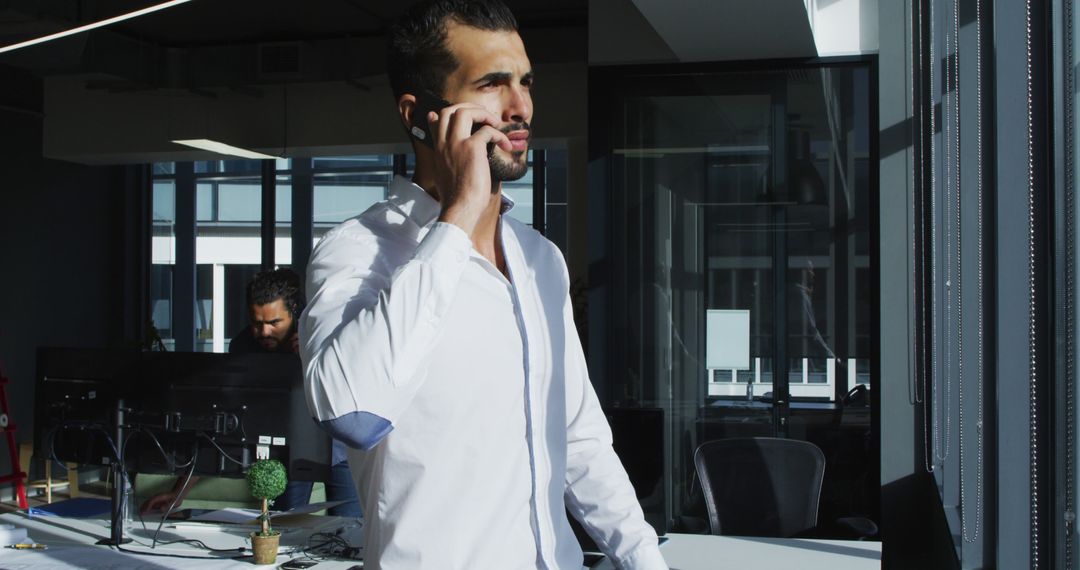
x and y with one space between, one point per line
71 545
706 552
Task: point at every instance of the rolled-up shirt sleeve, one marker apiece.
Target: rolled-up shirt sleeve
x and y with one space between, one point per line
374 314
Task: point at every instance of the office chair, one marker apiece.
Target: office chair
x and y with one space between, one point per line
760 486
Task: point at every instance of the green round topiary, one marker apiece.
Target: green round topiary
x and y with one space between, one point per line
266 478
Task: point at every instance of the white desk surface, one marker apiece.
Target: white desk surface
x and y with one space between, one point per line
706 552
69 542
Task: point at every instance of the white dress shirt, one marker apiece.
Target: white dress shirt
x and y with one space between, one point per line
465 394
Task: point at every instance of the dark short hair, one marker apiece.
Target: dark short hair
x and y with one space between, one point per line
269 286
416 54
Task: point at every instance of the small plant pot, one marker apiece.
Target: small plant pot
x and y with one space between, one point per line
265 547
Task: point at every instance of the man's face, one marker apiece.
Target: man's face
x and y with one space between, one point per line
494 72
271 324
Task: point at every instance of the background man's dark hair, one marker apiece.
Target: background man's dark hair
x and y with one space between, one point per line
416 54
269 286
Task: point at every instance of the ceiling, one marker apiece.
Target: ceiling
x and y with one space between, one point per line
114 94
151 50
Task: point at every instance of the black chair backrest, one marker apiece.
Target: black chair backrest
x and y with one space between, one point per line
760 486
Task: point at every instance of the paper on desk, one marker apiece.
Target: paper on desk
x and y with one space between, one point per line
230 515
233 515
305 509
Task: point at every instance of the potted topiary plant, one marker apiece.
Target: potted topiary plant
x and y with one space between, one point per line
266 479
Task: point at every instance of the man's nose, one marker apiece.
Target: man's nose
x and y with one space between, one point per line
518 106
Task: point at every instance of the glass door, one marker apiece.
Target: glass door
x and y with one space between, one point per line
737 267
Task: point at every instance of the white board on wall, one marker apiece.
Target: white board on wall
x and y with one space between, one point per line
727 339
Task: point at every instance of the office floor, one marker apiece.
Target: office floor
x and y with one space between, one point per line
36 497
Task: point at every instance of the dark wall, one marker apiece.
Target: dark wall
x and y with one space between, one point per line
62 251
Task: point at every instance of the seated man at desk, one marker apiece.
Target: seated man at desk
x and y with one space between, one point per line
275 300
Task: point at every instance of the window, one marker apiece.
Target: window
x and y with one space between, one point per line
230 240
163 253
228 206
346 186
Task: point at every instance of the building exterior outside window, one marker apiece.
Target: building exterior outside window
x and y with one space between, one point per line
229 229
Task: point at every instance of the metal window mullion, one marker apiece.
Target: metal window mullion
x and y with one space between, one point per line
184 269
302 214
269 217
539 160
779 166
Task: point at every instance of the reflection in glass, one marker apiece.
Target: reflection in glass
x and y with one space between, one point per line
555 198
749 191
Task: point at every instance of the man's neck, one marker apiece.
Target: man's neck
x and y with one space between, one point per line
485 236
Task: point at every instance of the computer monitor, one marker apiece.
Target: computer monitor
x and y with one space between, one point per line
219 411
224 411
75 400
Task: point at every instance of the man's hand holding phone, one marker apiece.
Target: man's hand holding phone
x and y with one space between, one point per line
460 135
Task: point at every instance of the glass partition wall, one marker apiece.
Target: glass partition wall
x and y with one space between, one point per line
735 270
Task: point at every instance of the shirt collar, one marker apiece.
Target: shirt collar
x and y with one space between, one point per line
419 206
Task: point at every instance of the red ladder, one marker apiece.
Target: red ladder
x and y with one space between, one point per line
17 475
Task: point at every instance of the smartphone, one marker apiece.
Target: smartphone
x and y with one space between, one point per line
426 102
297 564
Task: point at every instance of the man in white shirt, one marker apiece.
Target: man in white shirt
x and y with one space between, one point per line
439 340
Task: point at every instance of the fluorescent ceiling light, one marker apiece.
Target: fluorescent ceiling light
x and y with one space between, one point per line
95 25
222 148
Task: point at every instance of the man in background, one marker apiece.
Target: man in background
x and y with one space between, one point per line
275 300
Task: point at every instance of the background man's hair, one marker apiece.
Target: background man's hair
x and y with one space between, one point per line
269 286
417 57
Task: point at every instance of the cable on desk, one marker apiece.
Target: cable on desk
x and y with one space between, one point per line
189 557
196 543
175 501
332 546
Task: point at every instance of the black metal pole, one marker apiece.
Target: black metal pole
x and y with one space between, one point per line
120 484
269 212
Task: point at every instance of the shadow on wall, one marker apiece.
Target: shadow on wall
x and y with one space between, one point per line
913 528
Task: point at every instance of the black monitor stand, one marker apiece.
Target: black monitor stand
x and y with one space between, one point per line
120 492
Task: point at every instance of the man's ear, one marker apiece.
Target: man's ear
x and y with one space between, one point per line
406 107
